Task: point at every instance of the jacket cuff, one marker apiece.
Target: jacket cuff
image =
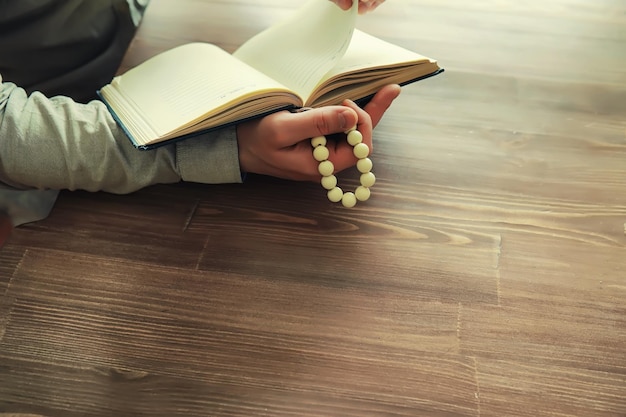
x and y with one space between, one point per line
210 158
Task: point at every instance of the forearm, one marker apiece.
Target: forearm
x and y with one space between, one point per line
58 144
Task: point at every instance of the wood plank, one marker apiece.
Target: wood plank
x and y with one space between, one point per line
543 333
340 350
10 258
311 240
522 389
485 277
143 226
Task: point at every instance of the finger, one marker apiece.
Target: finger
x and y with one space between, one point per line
366 6
294 127
305 167
379 104
363 7
369 117
364 124
374 4
299 160
341 152
294 163
343 4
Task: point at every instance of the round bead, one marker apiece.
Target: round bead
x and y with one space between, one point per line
368 179
326 168
320 153
364 165
355 137
351 129
329 182
361 150
318 141
362 193
335 195
348 200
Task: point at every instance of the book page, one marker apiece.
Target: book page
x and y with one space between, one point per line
300 50
184 84
369 52
368 64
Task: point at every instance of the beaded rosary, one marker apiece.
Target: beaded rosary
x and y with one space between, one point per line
326 168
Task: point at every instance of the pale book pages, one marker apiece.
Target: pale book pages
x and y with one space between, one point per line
173 90
367 52
300 50
199 86
366 66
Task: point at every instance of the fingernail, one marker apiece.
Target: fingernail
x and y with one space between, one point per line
344 116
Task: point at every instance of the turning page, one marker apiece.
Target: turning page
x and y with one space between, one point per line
299 51
367 52
369 64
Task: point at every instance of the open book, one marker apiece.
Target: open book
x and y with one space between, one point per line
314 58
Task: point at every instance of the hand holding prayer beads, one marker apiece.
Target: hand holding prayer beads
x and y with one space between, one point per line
326 169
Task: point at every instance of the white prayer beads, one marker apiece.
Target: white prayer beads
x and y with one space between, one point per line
329 182
361 150
326 169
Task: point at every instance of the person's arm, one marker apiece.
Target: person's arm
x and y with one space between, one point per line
52 144
58 144
55 143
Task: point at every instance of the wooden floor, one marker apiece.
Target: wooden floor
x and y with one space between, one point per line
485 277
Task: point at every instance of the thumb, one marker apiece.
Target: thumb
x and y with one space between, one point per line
316 122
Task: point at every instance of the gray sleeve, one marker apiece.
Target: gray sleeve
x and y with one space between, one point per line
55 143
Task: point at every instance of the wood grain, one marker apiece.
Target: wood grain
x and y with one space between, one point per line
485 277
